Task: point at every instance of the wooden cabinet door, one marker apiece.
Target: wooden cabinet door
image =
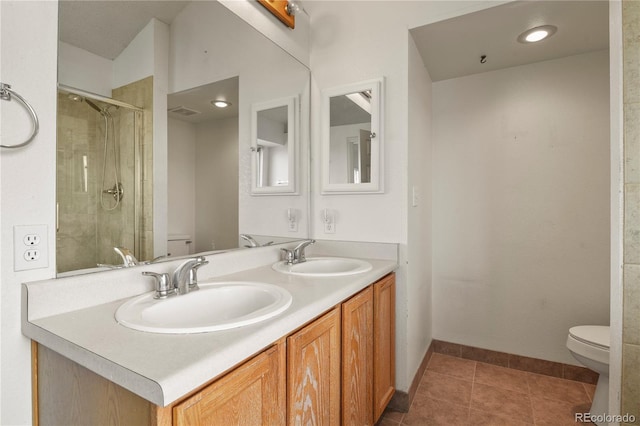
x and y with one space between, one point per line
384 355
357 359
252 394
313 385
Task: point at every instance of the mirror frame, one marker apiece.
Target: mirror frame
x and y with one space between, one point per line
291 102
377 143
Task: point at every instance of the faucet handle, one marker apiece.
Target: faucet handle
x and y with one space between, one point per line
163 284
287 255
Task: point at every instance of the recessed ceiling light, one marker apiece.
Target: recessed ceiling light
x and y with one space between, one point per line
220 103
537 34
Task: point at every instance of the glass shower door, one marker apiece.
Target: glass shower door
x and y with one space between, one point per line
97 179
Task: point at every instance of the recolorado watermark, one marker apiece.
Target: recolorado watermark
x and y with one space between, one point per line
604 418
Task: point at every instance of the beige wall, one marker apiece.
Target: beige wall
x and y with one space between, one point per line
217 183
419 318
203 182
631 275
181 178
521 205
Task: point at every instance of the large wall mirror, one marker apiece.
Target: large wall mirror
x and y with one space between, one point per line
352 138
139 129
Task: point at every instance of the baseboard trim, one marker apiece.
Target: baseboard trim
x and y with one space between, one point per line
517 362
401 401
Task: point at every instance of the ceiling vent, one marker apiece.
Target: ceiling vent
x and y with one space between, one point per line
183 111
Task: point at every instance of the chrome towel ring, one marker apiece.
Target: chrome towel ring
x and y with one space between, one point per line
5 94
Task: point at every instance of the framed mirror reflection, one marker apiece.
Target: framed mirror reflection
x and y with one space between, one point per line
274 127
352 138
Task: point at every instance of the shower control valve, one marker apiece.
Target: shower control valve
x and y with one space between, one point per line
117 191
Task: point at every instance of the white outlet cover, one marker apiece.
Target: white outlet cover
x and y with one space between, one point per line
23 261
329 227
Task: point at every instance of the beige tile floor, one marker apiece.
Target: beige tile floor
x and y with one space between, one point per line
456 391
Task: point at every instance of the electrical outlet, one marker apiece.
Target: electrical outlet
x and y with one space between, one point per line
329 220
292 219
31 240
329 227
30 247
32 255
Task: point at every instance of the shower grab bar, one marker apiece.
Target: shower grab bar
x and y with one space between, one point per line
6 93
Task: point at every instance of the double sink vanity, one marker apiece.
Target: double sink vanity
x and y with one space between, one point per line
262 341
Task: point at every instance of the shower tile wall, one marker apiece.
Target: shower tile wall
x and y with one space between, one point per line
87 231
140 94
116 221
76 236
631 277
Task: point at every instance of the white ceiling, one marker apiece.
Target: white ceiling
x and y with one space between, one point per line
449 49
199 99
453 48
106 27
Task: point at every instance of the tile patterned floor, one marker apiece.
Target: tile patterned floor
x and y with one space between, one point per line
456 391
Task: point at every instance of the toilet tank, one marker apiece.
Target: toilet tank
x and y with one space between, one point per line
179 245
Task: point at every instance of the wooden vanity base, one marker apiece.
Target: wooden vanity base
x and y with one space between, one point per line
342 364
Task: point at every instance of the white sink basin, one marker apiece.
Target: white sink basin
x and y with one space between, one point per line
215 307
324 267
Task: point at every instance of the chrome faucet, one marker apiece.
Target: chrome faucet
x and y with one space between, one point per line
252 242
185 277
297 254
298 251
128 259
248 238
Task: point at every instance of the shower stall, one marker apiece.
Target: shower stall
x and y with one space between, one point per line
99 179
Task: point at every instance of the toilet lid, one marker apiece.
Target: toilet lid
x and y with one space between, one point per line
597 335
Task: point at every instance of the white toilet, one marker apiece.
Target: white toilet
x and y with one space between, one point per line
589 344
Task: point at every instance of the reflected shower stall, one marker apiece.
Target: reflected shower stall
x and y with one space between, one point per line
98 195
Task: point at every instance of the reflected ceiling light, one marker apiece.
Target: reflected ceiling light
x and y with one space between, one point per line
220 103
537 34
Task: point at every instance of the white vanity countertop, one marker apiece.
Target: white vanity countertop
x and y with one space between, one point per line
162 368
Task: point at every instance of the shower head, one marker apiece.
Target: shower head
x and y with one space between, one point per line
104 111
94 106
77 98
